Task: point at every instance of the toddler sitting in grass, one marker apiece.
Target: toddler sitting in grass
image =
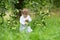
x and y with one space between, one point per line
25 19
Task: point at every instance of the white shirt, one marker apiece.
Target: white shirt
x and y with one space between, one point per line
23 26
22 19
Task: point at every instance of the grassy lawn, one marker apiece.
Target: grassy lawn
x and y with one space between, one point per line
50 32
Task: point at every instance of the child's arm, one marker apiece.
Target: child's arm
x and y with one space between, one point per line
29 19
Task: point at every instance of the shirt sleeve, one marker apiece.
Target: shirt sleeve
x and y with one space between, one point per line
21 20
29 18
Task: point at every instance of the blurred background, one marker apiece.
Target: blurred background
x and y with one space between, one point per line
45 19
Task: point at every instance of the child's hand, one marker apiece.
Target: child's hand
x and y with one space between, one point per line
26 23
26 20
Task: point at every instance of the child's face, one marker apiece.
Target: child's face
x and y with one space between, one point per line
25 13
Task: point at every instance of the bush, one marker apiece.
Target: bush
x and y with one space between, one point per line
39 8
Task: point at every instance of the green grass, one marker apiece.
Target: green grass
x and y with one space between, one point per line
50 32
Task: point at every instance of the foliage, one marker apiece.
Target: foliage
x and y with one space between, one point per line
9 12
40 9
38 34
9 23
6 19
56 3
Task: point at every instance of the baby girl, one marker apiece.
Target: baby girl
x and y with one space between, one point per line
25 19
